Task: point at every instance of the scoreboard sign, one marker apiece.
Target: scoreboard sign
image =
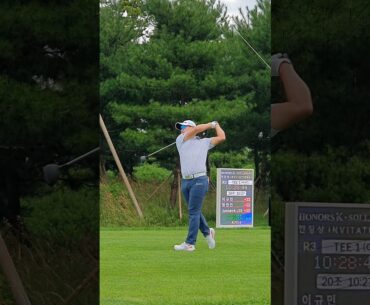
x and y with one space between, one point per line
234 198
327 254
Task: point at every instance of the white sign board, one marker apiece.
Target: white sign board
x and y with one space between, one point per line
234 198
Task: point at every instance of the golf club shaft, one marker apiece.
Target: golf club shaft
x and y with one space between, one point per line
249 45
80 157
161 149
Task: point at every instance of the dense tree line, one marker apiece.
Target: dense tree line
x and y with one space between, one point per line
182 60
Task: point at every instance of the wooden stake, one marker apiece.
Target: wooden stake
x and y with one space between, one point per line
82 285
119 165
12 276
155 191
179 192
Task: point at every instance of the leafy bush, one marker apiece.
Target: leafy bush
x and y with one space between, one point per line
62 216
150 173
229 160
335 176
232 159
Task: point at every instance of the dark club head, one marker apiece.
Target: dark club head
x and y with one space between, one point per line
51 173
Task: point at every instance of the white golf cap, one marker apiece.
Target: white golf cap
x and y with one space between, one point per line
186 123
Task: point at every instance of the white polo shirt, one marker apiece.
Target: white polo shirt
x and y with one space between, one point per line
193 154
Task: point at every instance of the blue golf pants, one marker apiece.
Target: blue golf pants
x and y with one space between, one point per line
194 191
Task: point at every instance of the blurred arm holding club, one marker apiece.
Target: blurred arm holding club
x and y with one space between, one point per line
298 103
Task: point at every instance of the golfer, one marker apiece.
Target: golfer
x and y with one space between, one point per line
298 103
193 154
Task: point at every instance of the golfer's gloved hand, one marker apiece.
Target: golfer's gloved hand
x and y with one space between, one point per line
214 124
276 60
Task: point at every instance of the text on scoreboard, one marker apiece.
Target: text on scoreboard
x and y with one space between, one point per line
234 197
327 254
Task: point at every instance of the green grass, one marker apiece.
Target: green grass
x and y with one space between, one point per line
140 267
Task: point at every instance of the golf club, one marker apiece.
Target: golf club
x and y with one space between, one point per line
51 171
144 158
249 45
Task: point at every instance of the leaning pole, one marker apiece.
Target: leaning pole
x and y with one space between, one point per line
119 165
11 274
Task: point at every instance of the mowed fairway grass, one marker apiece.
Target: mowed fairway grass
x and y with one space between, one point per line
140 267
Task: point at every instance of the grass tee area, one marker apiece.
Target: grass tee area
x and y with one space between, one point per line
140 267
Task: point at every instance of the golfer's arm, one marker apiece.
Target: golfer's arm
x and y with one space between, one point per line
299 102
197 129
220 135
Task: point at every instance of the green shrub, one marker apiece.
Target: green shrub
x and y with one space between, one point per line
335 176
151 173
63 216
111 174
231 159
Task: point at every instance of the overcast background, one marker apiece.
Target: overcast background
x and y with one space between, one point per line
234 5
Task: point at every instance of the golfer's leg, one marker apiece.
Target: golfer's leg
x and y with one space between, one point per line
203 226
298 104
198 191
185 190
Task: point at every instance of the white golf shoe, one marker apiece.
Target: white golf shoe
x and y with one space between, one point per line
185 247
211 238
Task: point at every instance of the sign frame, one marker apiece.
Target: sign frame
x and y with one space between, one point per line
291 243
218 199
